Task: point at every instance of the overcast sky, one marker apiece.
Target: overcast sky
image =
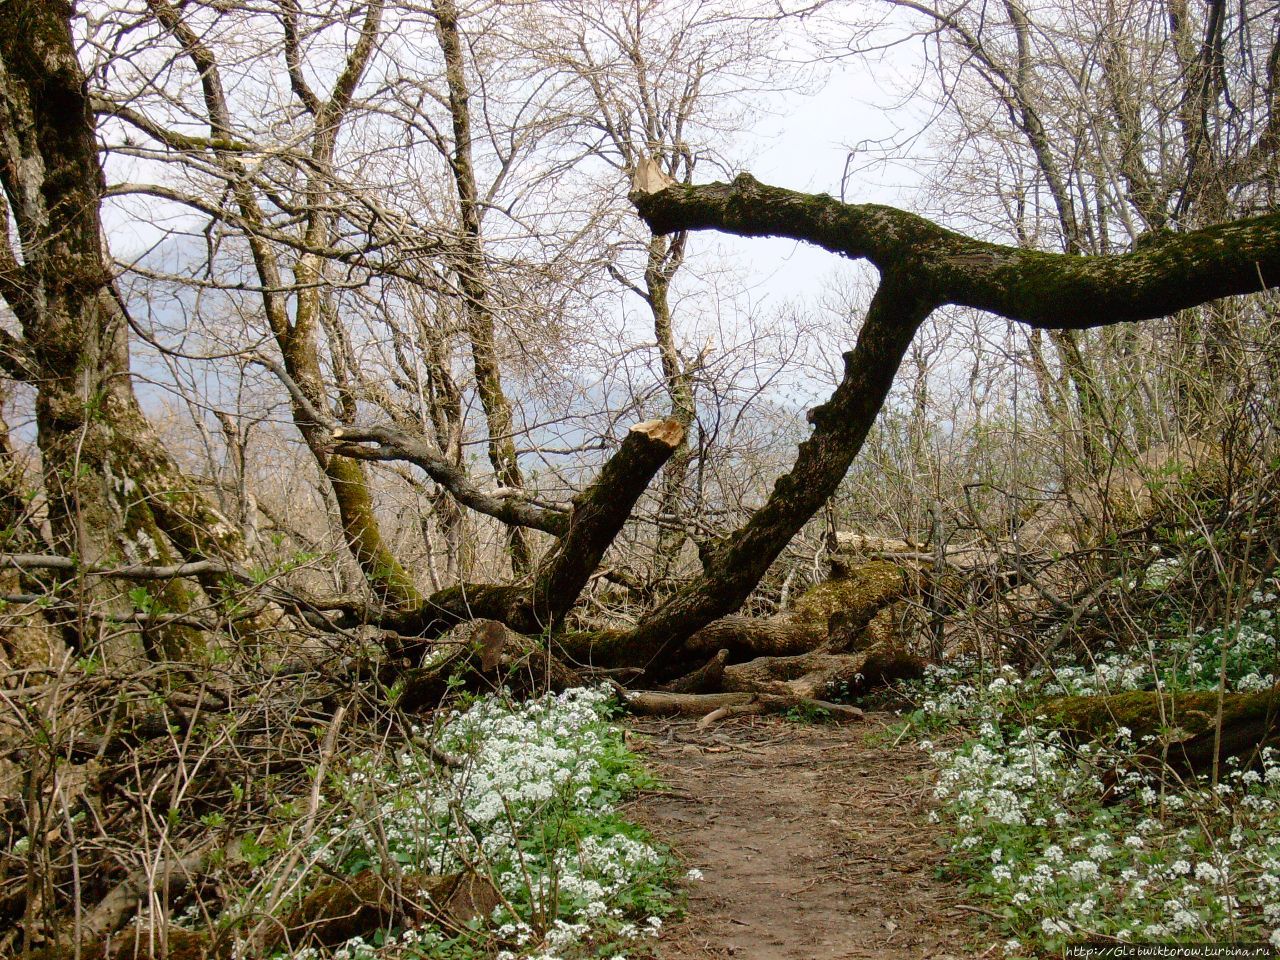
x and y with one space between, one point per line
805 143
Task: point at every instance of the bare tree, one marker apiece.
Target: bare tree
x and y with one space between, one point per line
1105 124
662 84
923 267
113 491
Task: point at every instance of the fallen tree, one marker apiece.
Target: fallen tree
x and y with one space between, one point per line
119 509
1192 732
824 649
923 266
66 298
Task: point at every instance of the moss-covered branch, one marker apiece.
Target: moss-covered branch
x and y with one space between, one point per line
1184 729
1045 290
923 266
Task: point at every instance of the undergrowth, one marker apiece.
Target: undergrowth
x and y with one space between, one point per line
532 809
1070 843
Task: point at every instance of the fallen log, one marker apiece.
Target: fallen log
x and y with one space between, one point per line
757 636
743 637
822 674
811 675
1183 727
844 610
777 684
660 703
856 592
706 679
749 654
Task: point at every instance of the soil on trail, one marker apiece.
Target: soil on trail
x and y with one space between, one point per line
812 840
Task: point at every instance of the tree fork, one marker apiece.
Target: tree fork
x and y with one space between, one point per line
923 266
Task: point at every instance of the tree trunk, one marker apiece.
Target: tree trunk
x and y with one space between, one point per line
114 492
664 259
735 565
470 269
347 478
743 637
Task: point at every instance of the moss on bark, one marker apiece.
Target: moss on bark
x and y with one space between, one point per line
1182 727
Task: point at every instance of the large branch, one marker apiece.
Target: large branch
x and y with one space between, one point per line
394 444
735 565
598 514
1044 290
923 266
140 572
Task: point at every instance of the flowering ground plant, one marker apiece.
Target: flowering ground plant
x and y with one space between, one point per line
1095 841
1241 656
1073 843
533 808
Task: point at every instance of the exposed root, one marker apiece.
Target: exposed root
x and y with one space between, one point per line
711 707
706 679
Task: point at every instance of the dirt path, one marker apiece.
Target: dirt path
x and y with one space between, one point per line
813 844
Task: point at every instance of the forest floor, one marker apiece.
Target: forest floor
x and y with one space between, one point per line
812 840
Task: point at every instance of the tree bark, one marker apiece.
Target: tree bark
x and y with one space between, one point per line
708 678
665 255
113 490
744 638
717 706
1047 290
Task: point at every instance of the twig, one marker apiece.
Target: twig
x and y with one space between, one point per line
441 757
714 716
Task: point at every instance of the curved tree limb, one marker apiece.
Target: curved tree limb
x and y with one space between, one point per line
923 266
1042 290
393 443
599 513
